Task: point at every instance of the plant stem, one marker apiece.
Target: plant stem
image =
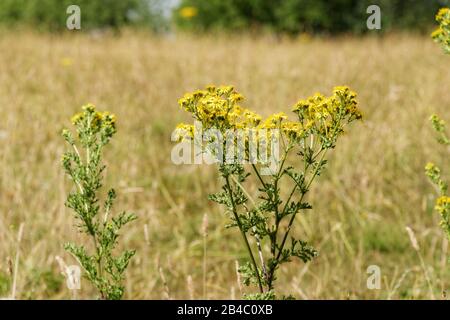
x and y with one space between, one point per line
204 267
301 199
258 175
291 221
238 221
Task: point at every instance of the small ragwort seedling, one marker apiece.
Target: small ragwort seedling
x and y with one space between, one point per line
85 168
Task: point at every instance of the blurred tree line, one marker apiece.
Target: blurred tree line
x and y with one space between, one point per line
52 15
289 16
312 16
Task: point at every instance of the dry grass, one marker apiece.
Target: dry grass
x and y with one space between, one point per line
374 187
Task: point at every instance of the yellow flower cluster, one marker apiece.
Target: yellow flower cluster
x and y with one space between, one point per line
188 12
443 204
184 131
66 62
273 121
218 107
97 119
432 168
442 33
341 104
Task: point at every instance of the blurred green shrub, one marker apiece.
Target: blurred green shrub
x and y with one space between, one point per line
51 14
296 16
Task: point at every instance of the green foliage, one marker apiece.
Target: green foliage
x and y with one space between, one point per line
270 295
439 126
5 284
384 238
52 15
84 167
44 283
294 16
434 174
442 33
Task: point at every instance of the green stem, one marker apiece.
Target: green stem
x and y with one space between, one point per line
280 250
238 221
258 175
301 199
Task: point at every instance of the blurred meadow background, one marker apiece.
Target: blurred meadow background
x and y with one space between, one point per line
135 58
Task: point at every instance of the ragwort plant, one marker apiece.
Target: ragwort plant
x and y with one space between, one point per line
442 33
268 216
433 172
442 206
83 164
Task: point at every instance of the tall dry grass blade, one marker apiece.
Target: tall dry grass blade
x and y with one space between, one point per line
166 287
65 271
190 287
415 245
205 235
398 284
16 261
238 277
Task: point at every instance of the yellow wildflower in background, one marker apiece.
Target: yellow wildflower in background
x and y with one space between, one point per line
188 12
66 62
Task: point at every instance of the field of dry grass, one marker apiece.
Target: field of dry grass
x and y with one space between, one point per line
373 188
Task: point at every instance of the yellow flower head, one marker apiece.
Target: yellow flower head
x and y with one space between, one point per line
107 117
241 118
211 88
443 204
293 130
437 33
274 120
77 118
251 117
218 107
66 62
442 15
341 104
430 166
184 132
88 107
442 33
236 97
188 12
